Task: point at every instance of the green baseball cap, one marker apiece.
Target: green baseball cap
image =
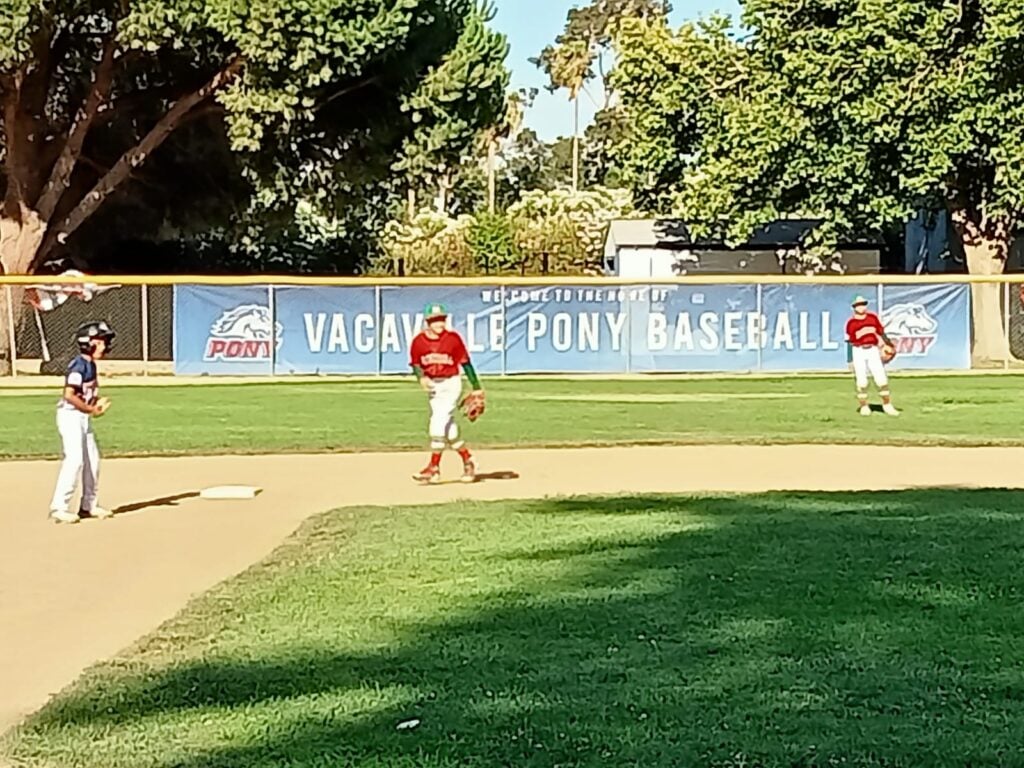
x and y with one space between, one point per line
857 300
435 312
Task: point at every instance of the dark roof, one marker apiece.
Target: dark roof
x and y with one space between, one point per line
675 235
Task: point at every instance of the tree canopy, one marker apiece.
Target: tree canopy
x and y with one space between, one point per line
571 60
316 102
858 113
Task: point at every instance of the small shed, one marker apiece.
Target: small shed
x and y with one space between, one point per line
639 248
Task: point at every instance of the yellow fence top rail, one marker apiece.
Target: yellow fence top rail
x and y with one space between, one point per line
306 280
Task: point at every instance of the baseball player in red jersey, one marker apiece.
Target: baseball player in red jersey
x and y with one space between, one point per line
864 337
438 356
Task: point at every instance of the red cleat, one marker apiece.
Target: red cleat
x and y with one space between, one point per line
429 474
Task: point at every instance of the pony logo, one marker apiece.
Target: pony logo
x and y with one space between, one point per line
243 333
911 328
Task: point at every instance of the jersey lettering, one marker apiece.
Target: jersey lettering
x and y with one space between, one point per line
437 358
440 358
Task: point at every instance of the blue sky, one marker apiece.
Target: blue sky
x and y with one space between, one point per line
532 24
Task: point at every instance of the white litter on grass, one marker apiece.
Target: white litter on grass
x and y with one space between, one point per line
230 492
408 725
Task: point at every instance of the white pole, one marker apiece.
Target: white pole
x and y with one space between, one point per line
272 306
1007 314
504 330
378 308
759 302
10 331
145 329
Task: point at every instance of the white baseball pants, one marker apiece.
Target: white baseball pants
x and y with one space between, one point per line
868 360
81 457
444 399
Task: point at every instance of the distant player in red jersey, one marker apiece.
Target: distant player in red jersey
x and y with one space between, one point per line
438 357
864 337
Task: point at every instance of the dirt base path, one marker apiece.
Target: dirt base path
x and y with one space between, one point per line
72 595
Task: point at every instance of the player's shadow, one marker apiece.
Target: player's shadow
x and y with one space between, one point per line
877 408
163 501
503 475
483 477
874 407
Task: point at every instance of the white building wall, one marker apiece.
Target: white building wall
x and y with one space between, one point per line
638 263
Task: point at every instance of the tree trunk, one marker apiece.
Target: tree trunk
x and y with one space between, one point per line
58 232
491 187
19 244
444 188
576 143
987 256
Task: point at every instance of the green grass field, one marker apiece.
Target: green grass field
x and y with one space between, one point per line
780 630
391 415
722 631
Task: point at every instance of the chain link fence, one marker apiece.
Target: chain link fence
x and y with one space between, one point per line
43 335
1014 303
39 338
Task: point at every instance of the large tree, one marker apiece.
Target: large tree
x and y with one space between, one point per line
317 100
122 78
600 161
456 104
857 112
579 53
674 87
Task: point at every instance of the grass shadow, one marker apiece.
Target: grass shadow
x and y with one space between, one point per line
867 629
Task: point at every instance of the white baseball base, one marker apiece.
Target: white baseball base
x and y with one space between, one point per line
230 492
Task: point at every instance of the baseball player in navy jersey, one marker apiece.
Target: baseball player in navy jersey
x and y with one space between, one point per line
79 403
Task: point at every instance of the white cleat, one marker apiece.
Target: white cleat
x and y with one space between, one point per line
63 517
865 410
890 410
97 512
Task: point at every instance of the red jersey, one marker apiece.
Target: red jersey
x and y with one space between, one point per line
864 331
440 358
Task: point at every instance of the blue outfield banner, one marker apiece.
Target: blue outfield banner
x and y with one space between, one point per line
476 313
929 324
224 330
562 328
567 329
327 330
805 325
695 328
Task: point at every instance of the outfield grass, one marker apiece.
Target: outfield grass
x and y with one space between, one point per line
779 630
349 416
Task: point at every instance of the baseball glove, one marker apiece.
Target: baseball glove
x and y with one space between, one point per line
888 353
473 405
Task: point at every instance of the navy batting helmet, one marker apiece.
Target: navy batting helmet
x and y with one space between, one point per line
89 332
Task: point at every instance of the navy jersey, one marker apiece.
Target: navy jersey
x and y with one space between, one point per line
81 378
